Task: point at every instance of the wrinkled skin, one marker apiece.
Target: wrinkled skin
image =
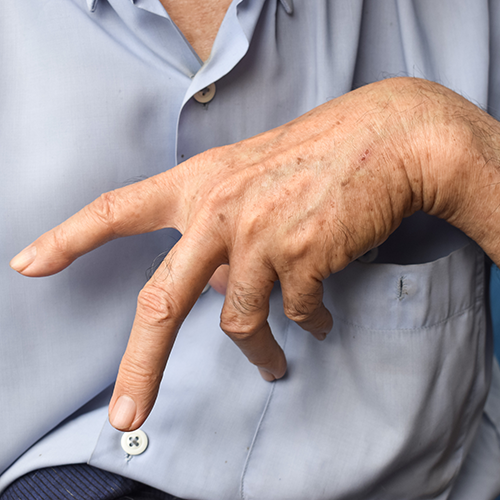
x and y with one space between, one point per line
293 204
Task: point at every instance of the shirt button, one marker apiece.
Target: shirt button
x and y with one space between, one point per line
135 442
205 95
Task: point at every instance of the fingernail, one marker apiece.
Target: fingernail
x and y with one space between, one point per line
23 259
123 413
268 376
321 336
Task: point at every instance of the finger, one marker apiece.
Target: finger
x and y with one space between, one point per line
303 303
139 208
161 308
244 317
219 279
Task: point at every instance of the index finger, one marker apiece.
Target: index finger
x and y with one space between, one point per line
162 306
139 208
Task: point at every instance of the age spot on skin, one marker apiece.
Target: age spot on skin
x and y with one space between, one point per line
365 154
221 217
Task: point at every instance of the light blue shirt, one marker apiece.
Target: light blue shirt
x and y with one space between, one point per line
95 94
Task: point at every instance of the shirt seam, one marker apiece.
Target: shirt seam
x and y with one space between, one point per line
460 312
259 425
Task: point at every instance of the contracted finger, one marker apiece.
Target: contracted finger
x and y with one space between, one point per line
303 303
139 208
161 308
244 316
219 279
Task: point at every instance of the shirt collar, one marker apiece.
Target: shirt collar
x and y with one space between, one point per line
92 4
287 5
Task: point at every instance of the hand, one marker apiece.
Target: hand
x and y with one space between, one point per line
294 204
219 279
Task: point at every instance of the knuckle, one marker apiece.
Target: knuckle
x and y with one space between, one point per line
58 240
237 327
295 251
302 308
215 206
221 194
137 376
103 209
297 316
247 299
154 305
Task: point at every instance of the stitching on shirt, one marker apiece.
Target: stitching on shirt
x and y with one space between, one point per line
264 411
468 414
368 329
402 288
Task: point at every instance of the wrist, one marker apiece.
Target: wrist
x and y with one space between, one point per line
457 155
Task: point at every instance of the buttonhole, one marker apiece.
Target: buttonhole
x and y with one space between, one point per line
402 288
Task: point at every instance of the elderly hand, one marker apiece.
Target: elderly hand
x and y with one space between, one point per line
294 204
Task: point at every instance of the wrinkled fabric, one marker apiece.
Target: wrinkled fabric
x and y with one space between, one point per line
79 482
95 95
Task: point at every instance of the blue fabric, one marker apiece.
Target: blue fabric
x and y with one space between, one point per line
79 482
495 310
495 307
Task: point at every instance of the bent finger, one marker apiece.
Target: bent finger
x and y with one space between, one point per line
219 279
244 317
161 308
139 208
303 303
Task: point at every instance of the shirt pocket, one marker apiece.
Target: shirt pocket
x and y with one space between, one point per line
387 406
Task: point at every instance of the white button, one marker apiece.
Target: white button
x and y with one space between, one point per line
205 95
135 442
206 289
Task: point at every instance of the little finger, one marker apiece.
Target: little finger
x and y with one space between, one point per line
303 303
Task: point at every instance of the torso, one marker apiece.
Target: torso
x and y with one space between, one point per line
198 21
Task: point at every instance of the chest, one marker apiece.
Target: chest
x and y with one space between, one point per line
198 21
